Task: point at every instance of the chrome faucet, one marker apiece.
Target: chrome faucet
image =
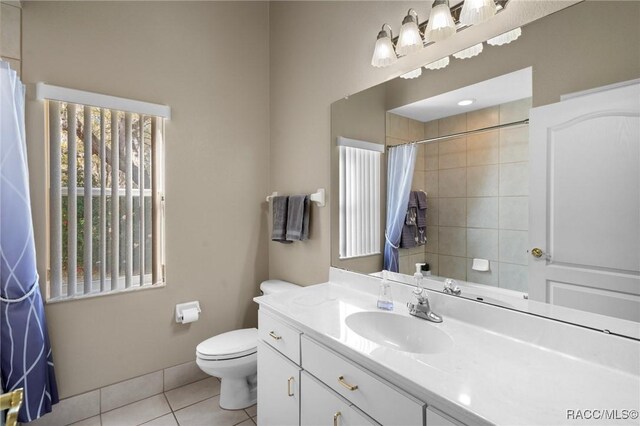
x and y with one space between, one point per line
451 287
422 309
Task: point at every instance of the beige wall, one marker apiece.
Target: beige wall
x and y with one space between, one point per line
10 33
217 151
360 118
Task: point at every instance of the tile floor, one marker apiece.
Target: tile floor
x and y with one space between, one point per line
195 404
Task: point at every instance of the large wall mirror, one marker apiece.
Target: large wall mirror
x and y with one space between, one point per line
524 184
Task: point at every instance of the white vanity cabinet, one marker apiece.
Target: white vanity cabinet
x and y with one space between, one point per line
278 372
301 381
321 406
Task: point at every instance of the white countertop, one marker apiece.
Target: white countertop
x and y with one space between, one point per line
486 377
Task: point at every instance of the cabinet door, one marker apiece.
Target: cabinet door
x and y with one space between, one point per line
321 406
434 418
278 388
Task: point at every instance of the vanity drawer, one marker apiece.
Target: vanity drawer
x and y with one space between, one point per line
281 336
379 399
321 406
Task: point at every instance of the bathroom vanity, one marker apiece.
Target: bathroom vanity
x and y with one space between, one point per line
326 355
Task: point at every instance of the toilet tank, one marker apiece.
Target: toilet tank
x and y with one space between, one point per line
275 286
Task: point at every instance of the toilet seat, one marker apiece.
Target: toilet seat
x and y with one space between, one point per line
230 345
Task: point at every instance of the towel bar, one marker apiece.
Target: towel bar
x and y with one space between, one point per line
317 197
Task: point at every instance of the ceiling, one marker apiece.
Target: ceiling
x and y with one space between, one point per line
496 91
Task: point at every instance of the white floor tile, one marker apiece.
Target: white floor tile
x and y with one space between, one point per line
132 390
91 421
195 392
208 412
138 412
247 422
166 420
252 411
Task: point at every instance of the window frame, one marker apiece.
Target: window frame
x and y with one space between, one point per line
158 115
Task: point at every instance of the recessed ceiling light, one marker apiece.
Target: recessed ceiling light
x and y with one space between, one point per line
466 102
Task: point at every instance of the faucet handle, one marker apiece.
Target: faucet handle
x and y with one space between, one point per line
451 287
421 296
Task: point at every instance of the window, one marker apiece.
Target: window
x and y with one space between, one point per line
359 198
105 195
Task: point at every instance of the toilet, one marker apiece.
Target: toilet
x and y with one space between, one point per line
233 357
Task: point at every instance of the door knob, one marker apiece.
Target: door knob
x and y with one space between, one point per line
536 252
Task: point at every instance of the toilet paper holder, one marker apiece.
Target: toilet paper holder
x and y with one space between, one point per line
181 308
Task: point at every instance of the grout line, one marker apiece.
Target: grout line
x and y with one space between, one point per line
161 415
194 403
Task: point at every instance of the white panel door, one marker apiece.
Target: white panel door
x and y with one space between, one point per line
585 202
278 388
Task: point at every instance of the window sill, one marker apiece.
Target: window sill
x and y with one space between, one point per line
110 293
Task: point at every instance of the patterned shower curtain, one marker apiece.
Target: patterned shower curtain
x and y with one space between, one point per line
25 354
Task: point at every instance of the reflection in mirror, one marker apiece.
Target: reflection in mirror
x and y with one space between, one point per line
540 216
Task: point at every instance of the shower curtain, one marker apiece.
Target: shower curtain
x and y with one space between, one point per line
402 160
25 353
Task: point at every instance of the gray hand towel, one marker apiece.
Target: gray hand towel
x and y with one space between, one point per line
413 199
306 220
422 199
298 215
279 213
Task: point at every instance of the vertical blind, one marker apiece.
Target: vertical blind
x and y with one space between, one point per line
359 198
105 207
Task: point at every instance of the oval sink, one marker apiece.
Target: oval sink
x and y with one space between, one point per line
399 332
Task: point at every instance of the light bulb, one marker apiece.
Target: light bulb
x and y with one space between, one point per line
469 52
436 65
412 74
505 38
466 102
477 11
440 25
383 54
409 40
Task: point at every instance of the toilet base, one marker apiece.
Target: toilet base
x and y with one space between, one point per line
237 393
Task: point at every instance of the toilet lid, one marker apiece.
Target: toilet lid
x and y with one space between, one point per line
233 344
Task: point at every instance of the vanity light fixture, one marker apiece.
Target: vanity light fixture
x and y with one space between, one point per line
466 102
439 64
477 11
412 74
469 52
384 54
443 22
505 38
410 39
440 25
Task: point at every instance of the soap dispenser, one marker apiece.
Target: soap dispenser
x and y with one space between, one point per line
418 279
385 301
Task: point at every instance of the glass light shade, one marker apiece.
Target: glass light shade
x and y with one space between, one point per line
412 74
469 52
409 40
383 54
477 11
505 38
440 25
436 65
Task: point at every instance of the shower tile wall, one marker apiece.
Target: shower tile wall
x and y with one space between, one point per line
477 191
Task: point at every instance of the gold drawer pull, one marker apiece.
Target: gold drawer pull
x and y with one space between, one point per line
274 335
335 418
347 385
289 382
